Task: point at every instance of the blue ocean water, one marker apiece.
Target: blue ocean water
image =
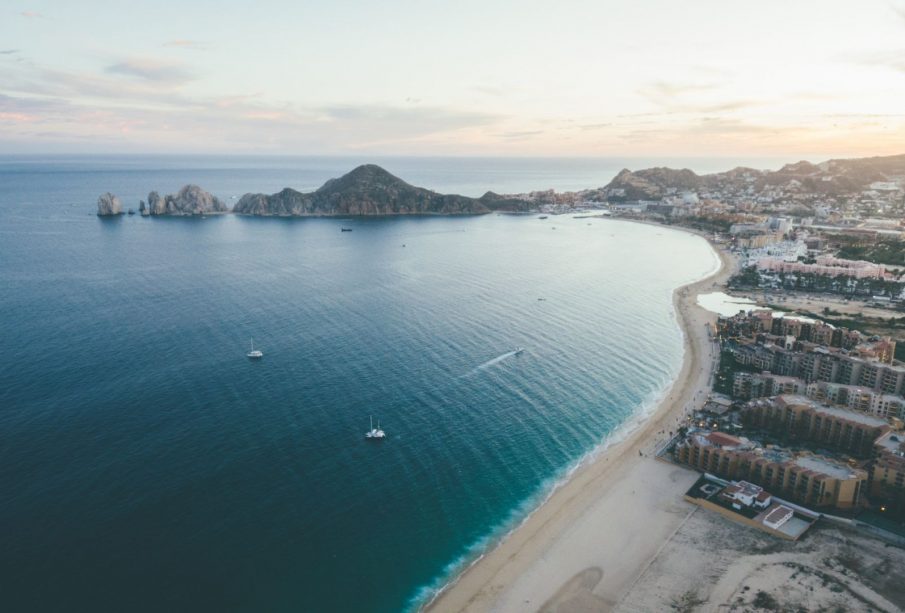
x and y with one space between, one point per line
147 465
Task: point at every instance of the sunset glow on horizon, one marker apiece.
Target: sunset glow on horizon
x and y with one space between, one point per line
656 78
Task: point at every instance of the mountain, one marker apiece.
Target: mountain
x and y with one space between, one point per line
833 177
653 183
371 190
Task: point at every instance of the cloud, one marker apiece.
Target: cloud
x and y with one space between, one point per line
729 105
490 90
664 89
894 59
136 116
183 43
32 14
147 69
682 98
16 109
594 126
521 134
718 126
8 51
406 119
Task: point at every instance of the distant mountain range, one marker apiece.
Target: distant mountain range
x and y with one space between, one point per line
833 177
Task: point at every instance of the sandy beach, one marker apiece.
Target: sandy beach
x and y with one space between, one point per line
597 534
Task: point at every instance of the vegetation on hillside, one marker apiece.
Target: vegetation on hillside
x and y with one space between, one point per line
881 251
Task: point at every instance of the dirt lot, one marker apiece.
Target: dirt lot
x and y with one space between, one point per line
713 564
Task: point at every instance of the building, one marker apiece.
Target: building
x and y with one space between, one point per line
751 505
824 265
816 363
744 494
883 406
768 328
800 418
746 385
805 479
887 472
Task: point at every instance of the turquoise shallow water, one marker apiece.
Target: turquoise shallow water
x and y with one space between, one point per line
147 465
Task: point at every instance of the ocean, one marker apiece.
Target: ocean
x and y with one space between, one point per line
147 465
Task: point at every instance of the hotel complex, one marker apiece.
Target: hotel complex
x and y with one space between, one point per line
804 479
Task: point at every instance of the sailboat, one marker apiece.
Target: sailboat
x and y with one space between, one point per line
254 354
375 434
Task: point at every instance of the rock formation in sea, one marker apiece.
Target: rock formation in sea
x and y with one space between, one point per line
156 205
371 190
109 205
190 200
142 209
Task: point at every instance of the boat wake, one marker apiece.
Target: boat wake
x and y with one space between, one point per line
490 363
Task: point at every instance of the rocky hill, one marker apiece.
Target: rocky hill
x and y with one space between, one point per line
370 190
190 200
653 183
833 177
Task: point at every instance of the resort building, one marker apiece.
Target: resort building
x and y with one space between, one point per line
800 418
769 329
812 363
825 265
746 385
805 479
887 472
883 406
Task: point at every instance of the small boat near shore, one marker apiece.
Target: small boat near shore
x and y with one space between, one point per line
345 229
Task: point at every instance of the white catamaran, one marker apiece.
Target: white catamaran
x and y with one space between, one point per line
254 354
375 433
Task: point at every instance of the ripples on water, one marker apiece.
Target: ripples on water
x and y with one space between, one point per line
147 465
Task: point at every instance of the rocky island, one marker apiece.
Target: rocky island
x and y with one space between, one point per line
190 200
109 205
371 190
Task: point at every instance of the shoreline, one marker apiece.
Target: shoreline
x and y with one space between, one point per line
533 564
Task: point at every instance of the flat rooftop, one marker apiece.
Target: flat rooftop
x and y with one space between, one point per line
707 489
860 418
826 467
891 441
846 414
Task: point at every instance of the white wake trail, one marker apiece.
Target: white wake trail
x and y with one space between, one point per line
490 363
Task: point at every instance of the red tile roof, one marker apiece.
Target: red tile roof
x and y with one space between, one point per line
723 440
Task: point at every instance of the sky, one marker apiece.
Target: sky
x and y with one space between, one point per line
727 78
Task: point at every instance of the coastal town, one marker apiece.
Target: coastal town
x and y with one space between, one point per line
804 424
772 477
